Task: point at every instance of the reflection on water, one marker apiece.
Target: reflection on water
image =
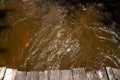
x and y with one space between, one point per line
39 35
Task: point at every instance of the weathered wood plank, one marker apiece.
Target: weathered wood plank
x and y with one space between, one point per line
79 74
102 74
10 74
110 73
117 73
2 72
28 77
66 75
54 75
76 74
92 75
20 75
43 75
34 75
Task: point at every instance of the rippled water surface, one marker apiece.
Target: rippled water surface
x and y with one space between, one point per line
40 35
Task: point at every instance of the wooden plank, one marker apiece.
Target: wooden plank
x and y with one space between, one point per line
92 75
54 75
102 74
79 74
10 74
117 73
20 75
2 72
43 75
66 75
34 75
28 77
110 73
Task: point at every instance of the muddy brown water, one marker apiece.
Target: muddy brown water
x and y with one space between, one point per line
41 36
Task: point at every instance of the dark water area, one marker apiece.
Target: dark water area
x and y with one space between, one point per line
59 34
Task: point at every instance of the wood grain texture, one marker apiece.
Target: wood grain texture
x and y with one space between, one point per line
20 75
117 73
110 73
28 77
2 72
43 75
10 74
102 74
79 74
54 75
92 75
66 75
34 75
74 74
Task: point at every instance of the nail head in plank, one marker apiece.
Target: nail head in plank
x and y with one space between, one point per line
10 74
117 73
110 73
54 75
92 75
20 75
102 74
79 74
2 72
66 75
43 75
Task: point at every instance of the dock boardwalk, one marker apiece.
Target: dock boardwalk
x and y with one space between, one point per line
107 73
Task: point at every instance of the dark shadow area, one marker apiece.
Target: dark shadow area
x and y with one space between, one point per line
112 6
2 28
3 13
3 50
3 16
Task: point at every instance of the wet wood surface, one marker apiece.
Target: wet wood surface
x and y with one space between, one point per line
107 73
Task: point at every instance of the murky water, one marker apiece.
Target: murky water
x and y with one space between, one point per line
40 35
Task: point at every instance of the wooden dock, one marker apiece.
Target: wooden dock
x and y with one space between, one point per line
74 74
